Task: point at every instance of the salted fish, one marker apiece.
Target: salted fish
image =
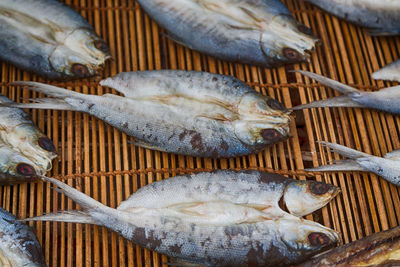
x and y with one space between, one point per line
390 72
18 244
25 151
184 112
222 218
260 32
386 99
50 39
379 249
387 167
379 17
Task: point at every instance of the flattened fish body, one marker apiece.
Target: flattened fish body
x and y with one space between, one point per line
380 17
183 112
26 151
246 31
18 244
50 39
221 218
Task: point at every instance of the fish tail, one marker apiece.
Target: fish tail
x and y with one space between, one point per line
86 202
339 101
343 165
345 151
338 86
47 89
71 216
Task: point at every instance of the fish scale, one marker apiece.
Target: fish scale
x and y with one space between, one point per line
256 32
186 112
219 224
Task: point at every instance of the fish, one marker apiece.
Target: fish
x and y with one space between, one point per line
24 140
48 38
379 17
378 249
184 112
390 72
387 167
386 99
18 244
257 32
220 218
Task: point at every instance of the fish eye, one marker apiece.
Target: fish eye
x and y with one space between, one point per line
101 45
290 53
80 70
26 170
275 104
318 188
46 144
318 239
271 135
305 30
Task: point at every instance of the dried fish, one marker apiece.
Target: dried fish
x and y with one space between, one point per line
18 132
48 38
391 72
386 99
387 167
379 249
380 17
221 218
18 244
184 112
256 32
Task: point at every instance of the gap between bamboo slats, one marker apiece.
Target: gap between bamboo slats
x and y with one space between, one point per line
96 158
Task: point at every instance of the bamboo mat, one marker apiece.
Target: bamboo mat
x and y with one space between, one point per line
97 159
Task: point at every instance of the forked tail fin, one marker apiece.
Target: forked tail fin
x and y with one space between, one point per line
339 101
57 102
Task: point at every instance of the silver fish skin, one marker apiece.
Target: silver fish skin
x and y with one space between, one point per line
387 167
379 17
220 218
50 39
386 99
258 32
183 112
19 133
18 244
378 249
390 72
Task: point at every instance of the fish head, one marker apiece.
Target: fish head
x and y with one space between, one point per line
263 120
33 144
306 237
287 40
15 165
82 54
304 197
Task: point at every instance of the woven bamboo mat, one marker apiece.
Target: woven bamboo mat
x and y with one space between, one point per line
97 159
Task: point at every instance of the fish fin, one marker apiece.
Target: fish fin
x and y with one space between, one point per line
47 89
394 155
343 165
181 263
146 145
176 39
41 103
338 101
338 86
71 216
345 151
390 72
381 32
82 199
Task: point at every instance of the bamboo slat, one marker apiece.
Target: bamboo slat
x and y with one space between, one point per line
98 160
